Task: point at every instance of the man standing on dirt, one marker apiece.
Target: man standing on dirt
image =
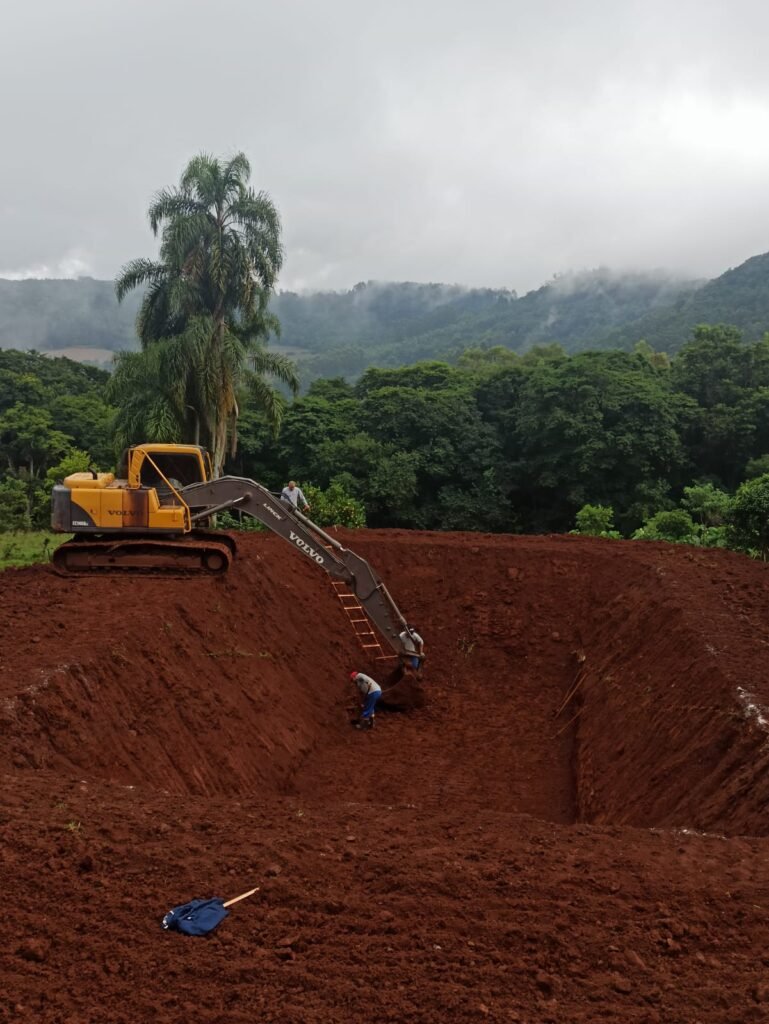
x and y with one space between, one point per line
413 648
370 692
292 495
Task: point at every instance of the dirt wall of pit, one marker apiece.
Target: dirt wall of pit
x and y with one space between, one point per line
238 685
669 702
199 686
663 649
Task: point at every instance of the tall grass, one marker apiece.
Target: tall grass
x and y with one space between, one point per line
28 547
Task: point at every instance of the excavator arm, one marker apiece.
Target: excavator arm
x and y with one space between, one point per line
253 499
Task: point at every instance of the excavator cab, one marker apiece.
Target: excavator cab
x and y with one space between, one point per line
127 517
146 496
167 468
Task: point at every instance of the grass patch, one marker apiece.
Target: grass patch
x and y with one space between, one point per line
28 547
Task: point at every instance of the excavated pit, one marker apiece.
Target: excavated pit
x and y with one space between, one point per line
569 830
568 680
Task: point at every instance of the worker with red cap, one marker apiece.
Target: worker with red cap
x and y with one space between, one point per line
370 692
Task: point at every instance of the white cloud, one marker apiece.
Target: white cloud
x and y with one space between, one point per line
72 265
493 143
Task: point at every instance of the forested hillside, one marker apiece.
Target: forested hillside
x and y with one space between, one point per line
739 297
374 324
54 420
54 315
390 324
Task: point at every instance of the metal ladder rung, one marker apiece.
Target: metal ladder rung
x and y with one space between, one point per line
350 610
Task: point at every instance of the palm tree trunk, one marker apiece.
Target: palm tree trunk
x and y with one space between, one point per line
220 446
193 415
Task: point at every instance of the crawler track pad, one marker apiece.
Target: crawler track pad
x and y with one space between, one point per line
144 557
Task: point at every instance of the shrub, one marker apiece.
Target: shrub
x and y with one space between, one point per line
595 521
748 523
676 526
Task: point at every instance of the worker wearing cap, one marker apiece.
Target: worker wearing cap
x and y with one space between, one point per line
292 495
413 647
370 691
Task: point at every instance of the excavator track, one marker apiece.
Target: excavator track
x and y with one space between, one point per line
204 554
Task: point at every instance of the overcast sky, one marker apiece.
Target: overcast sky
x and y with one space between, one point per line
492 142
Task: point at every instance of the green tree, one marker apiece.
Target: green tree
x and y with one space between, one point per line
716 367
205 307
595 521
334 506
147 408
75 461
674 525
659 359
88 420
600 426
28 440
757 467
727 383
706 504
14 505
748 523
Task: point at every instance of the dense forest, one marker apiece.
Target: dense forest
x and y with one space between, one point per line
344 333
507 431
498 442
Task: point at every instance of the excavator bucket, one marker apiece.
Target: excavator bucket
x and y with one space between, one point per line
402 691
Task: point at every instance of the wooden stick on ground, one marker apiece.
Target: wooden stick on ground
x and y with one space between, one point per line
242 896
578 680
565 727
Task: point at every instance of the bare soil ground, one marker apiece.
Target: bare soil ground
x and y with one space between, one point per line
573 828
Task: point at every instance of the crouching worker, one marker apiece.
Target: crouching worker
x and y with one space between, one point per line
370 692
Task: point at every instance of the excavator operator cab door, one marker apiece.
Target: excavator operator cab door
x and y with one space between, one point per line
166 470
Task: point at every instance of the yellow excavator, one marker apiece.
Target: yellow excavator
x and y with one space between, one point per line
152 519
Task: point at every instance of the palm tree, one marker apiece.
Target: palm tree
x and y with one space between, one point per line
204 316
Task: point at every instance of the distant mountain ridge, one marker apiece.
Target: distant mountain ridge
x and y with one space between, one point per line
740 296
388 324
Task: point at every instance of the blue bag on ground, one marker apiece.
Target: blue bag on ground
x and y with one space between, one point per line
199 917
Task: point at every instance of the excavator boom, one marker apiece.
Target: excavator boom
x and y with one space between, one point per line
253 499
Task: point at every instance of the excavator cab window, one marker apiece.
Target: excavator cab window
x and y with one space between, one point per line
179 468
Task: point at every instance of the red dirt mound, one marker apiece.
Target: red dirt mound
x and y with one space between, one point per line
528 846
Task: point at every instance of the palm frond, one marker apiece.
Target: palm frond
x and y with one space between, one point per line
136 273
201 178
168 204
183 235
274 364
267 399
